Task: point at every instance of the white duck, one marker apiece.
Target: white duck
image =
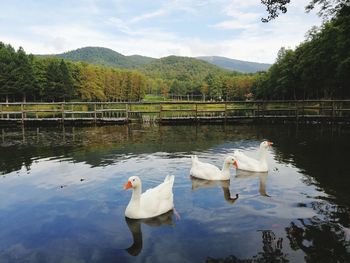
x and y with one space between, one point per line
153 202
243 162
208 171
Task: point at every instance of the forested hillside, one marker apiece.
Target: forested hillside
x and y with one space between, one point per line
111 58
31 78
183 75
104 56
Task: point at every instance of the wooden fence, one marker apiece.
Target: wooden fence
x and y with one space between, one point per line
123 112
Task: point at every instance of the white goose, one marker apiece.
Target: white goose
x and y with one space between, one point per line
208 171
153 202
243 162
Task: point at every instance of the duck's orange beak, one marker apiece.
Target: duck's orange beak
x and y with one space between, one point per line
269 143
127 185
235 164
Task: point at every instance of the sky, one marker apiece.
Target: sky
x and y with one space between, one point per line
155 28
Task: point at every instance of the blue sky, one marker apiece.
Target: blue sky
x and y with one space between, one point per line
230 28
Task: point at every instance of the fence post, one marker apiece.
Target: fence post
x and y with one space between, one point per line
303 109
263 109
62 111
7 101
127 112
196 112
22 110
225 111
297 110
95 117
160 112
333 111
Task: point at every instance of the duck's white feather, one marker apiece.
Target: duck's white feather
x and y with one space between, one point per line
155 201
246 163
208 171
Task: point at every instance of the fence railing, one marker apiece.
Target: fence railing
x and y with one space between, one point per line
173 111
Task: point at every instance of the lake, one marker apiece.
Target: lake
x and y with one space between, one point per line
62 197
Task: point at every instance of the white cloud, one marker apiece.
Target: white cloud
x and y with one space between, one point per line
241 33
146 16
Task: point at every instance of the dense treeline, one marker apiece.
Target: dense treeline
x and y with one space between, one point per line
50 79
26 77
188 76
317 68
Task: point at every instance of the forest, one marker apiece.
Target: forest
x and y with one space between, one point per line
319 68
34 78
31 78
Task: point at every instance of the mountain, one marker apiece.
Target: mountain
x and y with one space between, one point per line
181 69
111 58
104 56
235 65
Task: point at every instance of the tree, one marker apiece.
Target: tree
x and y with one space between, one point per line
327 8
7 70
67 81
274 7
54 86
318 68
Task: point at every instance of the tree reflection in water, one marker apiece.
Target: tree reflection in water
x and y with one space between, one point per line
321 241
271 251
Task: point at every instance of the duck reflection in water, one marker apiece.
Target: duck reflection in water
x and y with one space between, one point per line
225 185
240 174
135 229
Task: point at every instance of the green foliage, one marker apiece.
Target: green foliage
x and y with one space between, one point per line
184 76
16 72
317 68
326 8
107 57
57 79
179 76
104 57
51 79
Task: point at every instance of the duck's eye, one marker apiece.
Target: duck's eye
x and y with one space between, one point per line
133 180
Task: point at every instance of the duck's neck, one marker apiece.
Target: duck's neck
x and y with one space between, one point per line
136 195
262 155
226 171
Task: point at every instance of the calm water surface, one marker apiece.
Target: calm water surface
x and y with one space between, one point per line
61 197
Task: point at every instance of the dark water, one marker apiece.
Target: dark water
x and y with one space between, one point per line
61 197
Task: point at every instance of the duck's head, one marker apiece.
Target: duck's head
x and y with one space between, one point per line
265 144
133 182
230 160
